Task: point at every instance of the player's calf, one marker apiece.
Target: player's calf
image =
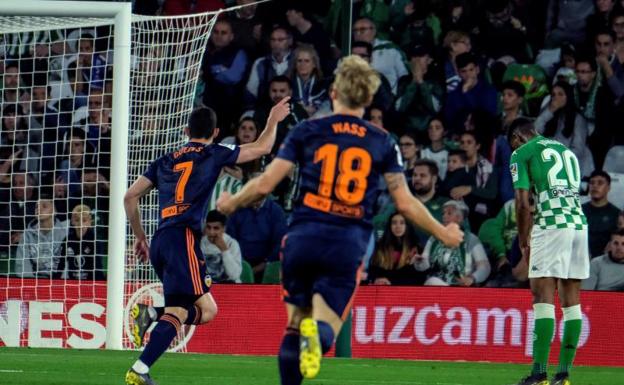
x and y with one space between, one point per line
288 358
165 331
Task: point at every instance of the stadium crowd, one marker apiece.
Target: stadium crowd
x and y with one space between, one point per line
455 74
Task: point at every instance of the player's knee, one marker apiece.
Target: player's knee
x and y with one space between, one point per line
209 313
177 311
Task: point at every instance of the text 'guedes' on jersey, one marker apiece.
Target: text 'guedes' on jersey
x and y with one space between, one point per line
185 179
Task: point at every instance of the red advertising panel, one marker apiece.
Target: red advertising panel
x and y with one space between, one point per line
52 313
388 322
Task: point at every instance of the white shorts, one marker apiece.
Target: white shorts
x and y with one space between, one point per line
559 253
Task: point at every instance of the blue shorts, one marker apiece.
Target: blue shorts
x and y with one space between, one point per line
323 259
180 265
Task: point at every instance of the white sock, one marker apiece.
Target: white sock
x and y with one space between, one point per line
152 313
140 367
572 313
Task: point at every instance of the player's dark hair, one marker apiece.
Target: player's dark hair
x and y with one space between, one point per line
514 86
430 164
521 126
466 58
458 152
601 173
216 216
202 123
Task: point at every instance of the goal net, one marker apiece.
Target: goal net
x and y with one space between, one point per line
57 106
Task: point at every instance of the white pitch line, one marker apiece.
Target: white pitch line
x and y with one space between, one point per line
11 371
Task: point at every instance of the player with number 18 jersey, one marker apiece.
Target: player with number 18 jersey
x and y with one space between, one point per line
342 160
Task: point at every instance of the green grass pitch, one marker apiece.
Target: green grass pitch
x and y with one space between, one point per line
23 366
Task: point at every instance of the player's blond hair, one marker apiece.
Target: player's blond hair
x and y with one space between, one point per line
356 82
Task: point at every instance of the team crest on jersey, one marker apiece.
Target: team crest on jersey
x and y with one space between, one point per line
208 280
513 168
230 146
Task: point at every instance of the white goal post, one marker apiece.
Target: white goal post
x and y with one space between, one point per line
90 96
122 15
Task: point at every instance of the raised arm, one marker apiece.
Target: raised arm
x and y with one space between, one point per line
131 203
255 189
265 141
418 214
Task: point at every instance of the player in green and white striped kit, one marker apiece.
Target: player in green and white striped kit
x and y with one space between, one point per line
554 240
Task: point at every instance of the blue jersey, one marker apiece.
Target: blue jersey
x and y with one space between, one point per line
341 160
185 179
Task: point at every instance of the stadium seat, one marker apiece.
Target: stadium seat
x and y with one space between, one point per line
272 272
247 275
616 194
6 263
614 161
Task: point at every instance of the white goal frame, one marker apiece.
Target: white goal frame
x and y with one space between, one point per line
122 15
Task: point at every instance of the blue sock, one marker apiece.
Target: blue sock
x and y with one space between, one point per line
326 335
288 358
194 315
165 331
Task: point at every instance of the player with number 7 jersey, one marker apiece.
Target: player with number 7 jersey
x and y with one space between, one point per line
184 179
341 160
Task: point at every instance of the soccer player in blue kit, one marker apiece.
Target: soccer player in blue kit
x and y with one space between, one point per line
341 159
185 179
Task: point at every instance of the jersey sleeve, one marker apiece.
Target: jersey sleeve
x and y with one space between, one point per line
152 172
392 162
291 147
227 153
519 169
